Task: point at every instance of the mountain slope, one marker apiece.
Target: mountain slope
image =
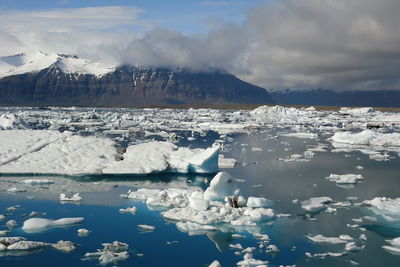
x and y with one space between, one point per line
73 81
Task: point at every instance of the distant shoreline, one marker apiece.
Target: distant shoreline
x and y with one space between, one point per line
210 106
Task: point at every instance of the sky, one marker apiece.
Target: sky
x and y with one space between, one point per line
276 44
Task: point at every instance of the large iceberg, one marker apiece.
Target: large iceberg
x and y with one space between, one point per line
155 157
366 138
51 152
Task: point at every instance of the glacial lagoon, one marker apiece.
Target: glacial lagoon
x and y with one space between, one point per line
287 158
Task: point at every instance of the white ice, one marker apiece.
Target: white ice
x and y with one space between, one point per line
39 224
388 208
345 178
394 246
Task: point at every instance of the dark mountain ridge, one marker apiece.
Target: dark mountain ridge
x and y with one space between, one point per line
127 86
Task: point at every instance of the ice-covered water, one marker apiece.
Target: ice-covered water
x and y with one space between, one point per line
317 199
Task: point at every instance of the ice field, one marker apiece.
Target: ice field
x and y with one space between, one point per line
273 186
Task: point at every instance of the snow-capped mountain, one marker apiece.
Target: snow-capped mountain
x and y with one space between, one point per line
39 79
36 61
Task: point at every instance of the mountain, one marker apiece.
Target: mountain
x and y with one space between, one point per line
40 79
383 98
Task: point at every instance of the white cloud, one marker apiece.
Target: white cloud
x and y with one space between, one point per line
335 44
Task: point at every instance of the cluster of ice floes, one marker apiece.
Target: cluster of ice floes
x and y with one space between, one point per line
52 152
350 244
111 253
219 204
20 246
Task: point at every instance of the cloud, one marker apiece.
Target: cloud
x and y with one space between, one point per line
332 44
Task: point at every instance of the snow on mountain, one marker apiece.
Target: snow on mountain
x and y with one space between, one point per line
36 61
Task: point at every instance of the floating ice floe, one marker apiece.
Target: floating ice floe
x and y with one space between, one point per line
75 198
146 228
38 181
302 135
248 260
129 210
83 232
40 224
48 152
11 223
342 239
11 245
366 138
316 204
345 178
215 264
111 253
394 247
356 111
387 208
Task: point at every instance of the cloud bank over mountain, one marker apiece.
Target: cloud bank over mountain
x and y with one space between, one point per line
331 44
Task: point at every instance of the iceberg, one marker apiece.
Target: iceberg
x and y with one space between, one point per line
366 138
39 224
221 186
394 247
51 152
387 208
345 178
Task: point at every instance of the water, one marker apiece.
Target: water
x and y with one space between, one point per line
264 174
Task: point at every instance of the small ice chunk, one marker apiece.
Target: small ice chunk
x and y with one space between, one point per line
315 204
259 202
129 210
37 181
324 255
111 253
248 260
215 264
236 246
65 246
75 198
11 223
331 240
146 227
37 224
83 232
272 249
345 178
